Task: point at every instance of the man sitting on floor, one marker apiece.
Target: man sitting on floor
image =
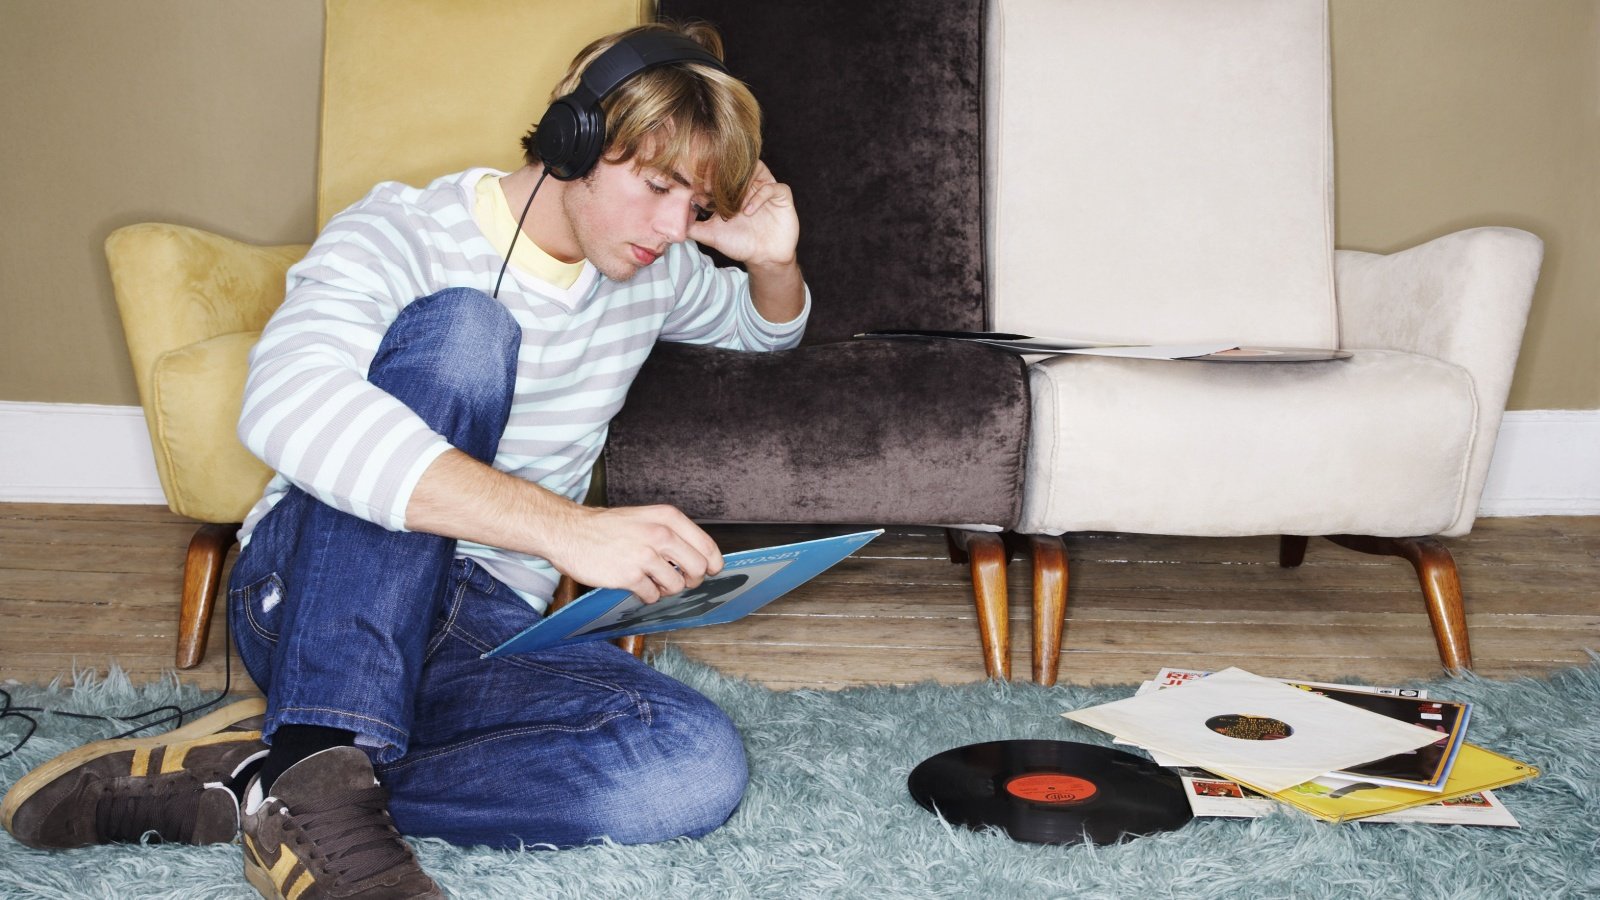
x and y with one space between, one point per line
434 394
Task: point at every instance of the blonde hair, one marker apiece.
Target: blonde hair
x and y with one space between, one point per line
677 116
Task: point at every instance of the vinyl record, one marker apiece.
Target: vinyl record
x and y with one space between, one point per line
1275 354
1051 792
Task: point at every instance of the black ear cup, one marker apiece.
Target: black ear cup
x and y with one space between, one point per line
570 138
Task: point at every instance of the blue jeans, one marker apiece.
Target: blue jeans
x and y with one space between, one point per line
347 625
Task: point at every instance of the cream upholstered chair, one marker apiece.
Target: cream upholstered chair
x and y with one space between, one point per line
408 94
1161 171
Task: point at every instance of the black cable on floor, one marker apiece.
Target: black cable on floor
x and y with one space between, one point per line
177 712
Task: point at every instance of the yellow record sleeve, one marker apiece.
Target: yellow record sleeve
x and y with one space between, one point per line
1476 769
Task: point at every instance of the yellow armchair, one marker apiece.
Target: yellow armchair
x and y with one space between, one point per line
408 94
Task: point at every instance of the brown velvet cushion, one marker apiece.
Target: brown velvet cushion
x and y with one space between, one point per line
874 118
862 431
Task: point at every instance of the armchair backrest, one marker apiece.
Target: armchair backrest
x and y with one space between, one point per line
415 89
1162 170
873 116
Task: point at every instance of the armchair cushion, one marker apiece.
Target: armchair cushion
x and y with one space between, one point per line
1376 444
206 473
870 431
191 300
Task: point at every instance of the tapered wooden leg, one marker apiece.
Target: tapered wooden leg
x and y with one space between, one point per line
985 553
1441 588
1049 604
202 576
566 592
1292 550
633 643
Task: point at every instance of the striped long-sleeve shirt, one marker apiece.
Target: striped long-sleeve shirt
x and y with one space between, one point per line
311 415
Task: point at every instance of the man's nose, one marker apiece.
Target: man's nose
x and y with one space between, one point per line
672 223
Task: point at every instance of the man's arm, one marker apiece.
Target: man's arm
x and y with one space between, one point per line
319 345
652 551
778 291
763 235
308 410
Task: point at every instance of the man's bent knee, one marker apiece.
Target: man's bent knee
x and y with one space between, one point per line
690 788
448 353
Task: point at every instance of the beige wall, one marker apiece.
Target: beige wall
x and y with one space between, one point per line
1455 113
200 112
1448 114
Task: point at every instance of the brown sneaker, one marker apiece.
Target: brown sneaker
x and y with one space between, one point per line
325 832
119 790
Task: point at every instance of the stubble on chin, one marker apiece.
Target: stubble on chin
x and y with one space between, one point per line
616 270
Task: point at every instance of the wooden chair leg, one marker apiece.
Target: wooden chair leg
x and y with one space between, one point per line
1049 604
633 643
1292 550
202 576
1441 588
566 592
985 553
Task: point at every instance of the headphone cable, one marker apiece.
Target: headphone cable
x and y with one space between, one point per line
7 711
520 219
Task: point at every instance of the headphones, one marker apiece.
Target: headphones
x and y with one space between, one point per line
572 133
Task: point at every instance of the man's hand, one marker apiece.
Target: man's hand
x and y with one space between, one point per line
762 232
653 551
762 235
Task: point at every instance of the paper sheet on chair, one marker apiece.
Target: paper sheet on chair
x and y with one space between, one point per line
1255 729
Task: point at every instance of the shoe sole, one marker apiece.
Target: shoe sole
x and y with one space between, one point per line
209 724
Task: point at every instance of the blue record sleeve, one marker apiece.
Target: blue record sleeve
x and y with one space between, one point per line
748 581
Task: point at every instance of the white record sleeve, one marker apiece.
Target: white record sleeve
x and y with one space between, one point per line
1257 730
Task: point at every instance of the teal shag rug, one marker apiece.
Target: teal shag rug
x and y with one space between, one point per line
827 813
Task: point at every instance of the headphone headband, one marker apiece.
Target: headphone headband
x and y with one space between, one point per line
571 136
646 50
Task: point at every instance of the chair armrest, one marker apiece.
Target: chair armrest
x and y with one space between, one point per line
177 286
1462 298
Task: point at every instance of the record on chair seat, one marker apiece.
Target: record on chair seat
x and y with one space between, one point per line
1051 792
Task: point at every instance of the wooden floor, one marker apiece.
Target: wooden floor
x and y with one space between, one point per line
83 585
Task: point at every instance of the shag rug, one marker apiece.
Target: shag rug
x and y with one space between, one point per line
827 813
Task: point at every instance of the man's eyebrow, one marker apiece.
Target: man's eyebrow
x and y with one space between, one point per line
679 177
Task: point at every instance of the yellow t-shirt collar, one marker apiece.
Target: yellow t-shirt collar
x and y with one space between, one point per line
499 224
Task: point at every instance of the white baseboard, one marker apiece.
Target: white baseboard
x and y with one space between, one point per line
76 453
1546 462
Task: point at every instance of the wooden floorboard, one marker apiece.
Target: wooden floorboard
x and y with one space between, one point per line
82 585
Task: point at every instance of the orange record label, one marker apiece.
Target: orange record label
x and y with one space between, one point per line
1051 788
